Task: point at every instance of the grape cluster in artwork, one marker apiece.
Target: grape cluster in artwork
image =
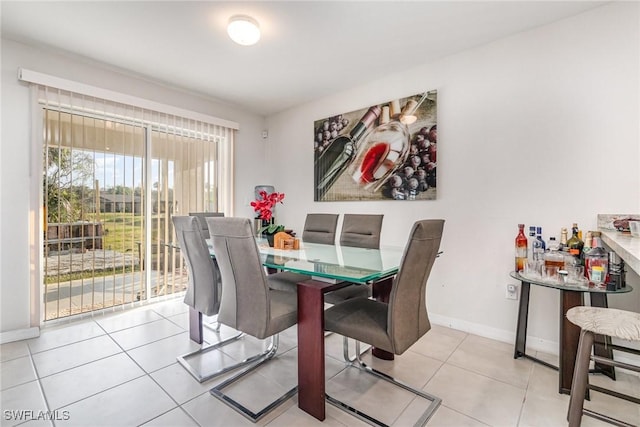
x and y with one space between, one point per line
328 131
418 173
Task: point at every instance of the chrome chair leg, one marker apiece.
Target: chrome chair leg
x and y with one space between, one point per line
359 364
345 350
183 359
234 404
215 329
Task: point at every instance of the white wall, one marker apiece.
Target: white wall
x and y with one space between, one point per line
540 128
14 157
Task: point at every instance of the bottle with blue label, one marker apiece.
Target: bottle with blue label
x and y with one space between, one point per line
532 238
539 245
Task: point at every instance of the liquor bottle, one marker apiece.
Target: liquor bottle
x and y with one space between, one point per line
539 245
521 248
587 244
553 245
532 238
554 256
574 243
596 261
563 239
341 152
596 240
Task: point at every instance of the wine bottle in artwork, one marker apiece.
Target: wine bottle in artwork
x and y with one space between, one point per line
341 152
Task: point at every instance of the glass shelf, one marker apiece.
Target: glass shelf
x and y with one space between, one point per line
575 287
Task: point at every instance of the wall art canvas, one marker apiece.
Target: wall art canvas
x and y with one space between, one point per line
386 151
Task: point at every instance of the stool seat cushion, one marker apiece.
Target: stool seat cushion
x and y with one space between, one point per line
615 323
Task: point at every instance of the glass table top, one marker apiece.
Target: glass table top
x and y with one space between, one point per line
576 287
340 263
333 262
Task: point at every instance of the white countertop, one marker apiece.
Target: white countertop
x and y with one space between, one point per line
625 245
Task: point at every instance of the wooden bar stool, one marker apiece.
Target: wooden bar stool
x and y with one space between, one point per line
624 325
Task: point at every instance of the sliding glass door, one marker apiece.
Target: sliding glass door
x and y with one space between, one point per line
183 180
110 188
94 193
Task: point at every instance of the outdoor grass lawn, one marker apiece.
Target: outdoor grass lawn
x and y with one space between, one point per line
121 232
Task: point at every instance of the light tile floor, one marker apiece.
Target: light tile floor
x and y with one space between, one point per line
120 369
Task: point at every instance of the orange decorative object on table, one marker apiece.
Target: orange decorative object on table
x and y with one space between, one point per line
280 238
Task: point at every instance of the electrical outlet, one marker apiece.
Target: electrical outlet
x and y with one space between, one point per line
512 291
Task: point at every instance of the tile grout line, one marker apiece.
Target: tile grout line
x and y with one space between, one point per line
526 392
465 415
62 345
485 375
44 396
81 364
144 373
148 374
94 322
101 391
489 377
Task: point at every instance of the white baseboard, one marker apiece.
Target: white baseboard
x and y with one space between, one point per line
19 334
533 343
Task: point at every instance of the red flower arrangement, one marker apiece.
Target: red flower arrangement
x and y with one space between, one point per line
264 206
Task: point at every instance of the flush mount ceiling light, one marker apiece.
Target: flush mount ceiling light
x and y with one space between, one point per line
243 30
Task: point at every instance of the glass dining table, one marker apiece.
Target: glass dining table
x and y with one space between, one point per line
330 268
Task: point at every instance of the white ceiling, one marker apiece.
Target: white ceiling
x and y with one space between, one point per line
308 48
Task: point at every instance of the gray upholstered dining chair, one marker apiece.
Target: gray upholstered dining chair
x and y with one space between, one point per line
203 290
203 223
361 230
320 228
248 303
397 325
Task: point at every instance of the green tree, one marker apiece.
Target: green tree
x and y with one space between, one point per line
119 189
67 176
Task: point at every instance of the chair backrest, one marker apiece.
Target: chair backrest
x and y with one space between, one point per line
203 223
245 302
203 288
320 228
407 316
361 230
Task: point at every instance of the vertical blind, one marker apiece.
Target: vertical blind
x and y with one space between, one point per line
113 175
